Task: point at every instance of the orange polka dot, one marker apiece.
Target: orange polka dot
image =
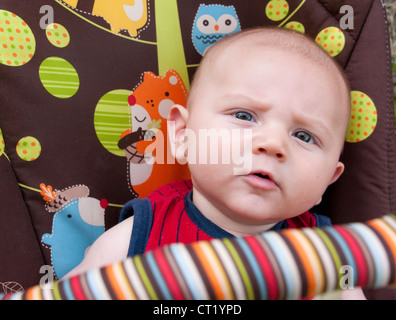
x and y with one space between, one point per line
24 151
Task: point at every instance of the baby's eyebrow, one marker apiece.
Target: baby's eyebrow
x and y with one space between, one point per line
243 100
318 127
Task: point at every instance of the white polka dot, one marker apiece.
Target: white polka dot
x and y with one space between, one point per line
173 80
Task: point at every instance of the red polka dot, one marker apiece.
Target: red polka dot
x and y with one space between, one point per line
104 203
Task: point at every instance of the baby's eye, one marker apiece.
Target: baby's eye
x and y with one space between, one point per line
303 136
243 115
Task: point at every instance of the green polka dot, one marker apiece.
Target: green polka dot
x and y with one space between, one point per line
296 26
2 144
111 119
28 148
332 40
277 10
59 77
363 117
17 42
57 35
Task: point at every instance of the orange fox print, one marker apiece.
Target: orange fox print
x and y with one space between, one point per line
146 145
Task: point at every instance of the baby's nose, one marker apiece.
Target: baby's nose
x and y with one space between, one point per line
272 144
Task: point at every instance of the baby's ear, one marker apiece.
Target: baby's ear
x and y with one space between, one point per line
177 121
337 172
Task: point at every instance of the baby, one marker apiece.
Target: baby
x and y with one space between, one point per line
290 102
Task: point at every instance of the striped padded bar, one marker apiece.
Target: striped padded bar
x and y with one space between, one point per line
288 264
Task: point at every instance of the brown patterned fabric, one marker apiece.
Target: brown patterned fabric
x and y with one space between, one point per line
70 91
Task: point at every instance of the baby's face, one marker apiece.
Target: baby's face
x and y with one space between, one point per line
297 118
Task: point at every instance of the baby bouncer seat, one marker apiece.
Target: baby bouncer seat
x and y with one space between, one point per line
82 81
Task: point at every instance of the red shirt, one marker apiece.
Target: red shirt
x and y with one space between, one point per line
168 215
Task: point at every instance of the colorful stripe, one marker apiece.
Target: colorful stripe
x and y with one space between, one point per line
237 287
289 264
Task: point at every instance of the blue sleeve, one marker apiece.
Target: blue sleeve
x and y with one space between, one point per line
322 221
142 214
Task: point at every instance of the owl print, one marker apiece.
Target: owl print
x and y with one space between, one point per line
213 22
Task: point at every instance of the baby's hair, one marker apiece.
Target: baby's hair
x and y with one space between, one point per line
281 38
295 43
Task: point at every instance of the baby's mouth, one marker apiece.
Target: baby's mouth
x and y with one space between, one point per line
263 180
263 176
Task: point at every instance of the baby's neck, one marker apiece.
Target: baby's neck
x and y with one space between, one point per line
225 222
240 232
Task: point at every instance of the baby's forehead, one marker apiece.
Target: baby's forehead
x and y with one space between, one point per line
298 50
